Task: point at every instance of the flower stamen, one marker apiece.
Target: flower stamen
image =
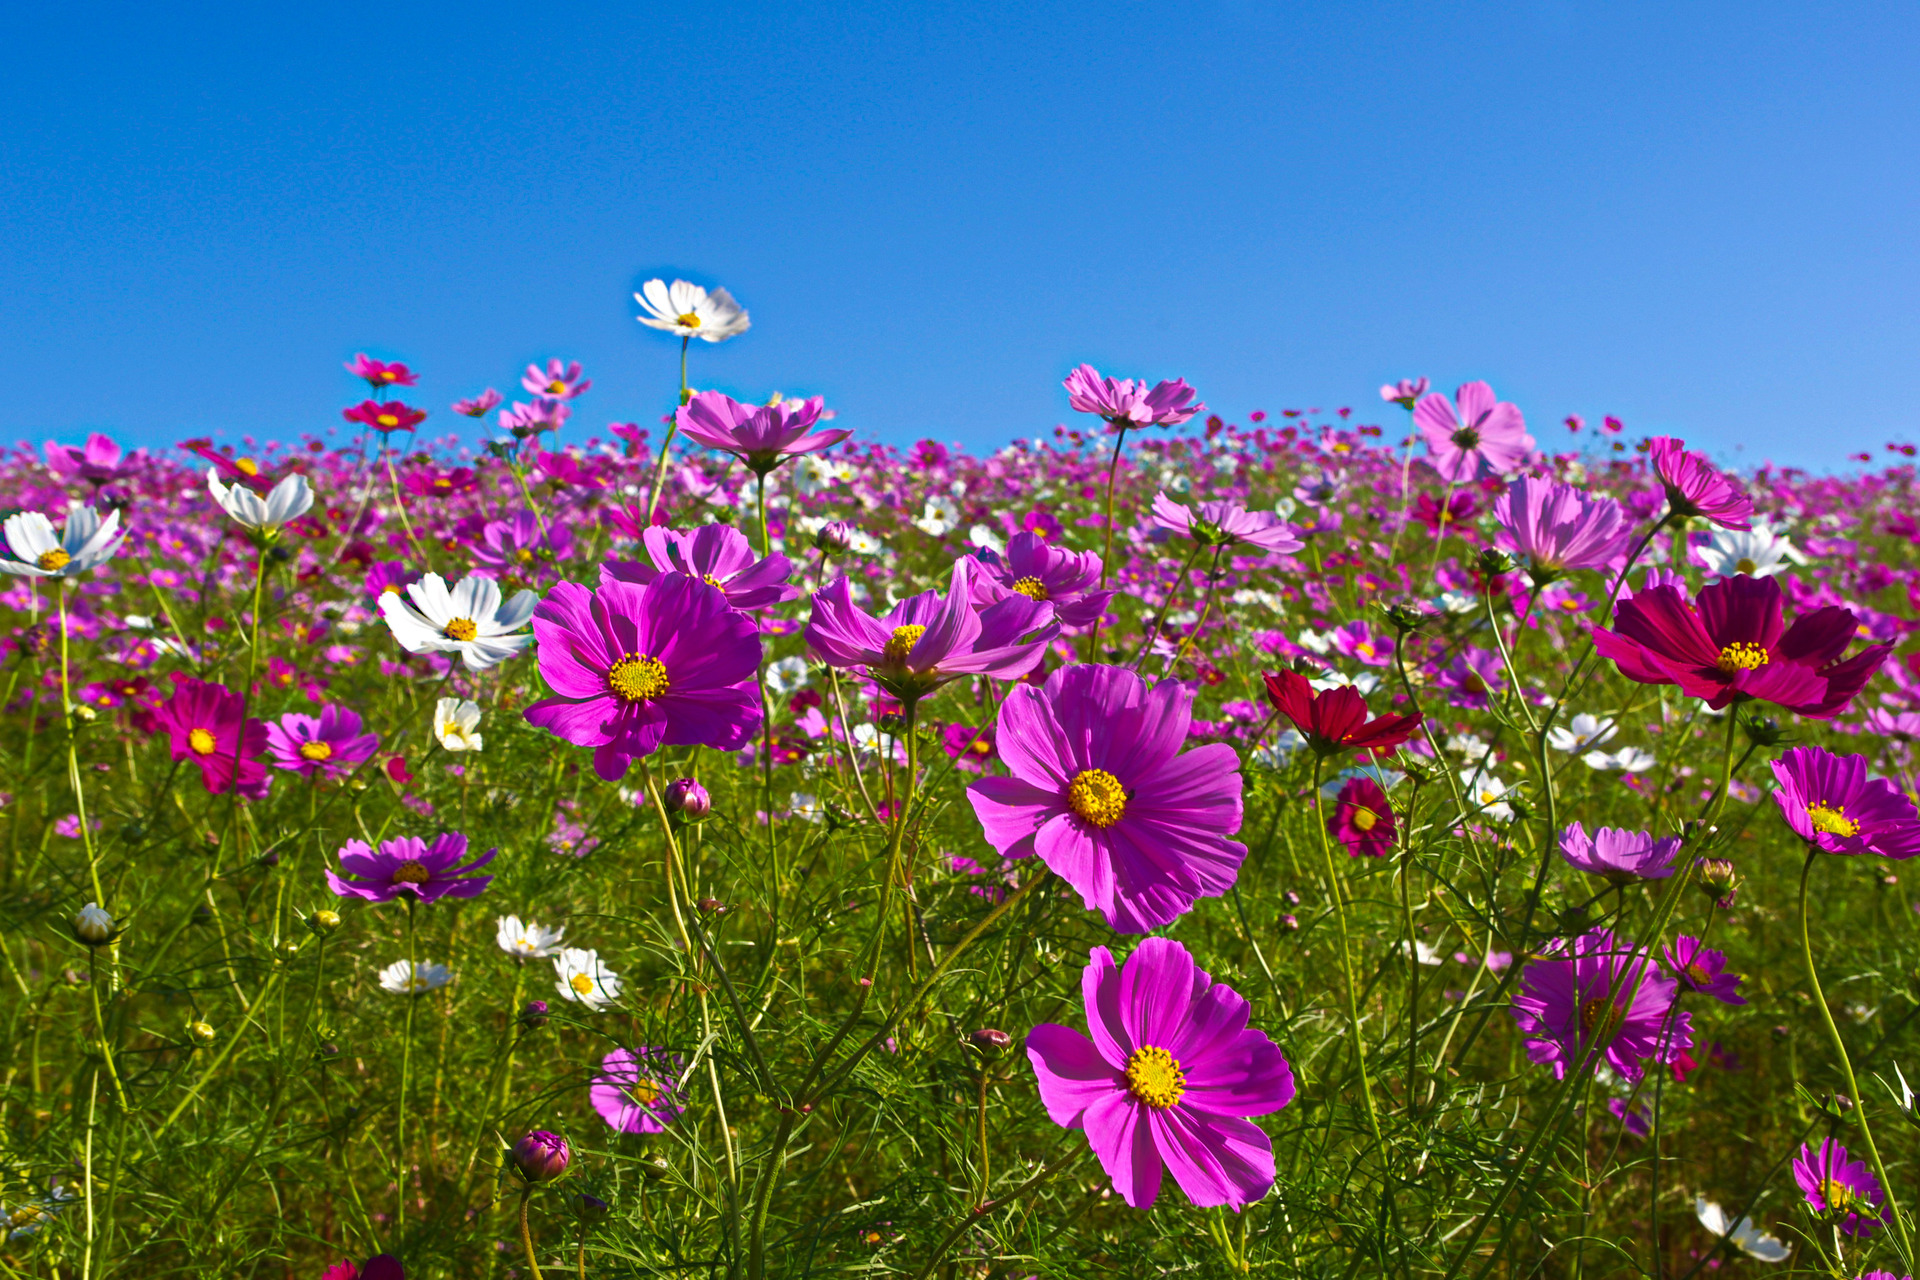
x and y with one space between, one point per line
1031 588
901 643
54 559
200 742
1097 797
1742 655
1155 1078
637 677
316 751
1832 819
461 629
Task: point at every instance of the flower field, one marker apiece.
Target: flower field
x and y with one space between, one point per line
1408 840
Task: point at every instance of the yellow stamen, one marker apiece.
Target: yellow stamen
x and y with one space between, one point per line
637 677
1155 1077
461 629
1097 797
200 742
1600 1019
688 320
316 751
1698 972
54 559
556 387
1742 655
1838 1195
1746 566
1031 588
411 872
246 466
582 983
1365 819
1832 819
902 642
644 1092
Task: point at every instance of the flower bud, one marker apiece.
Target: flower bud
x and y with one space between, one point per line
541 1156
1763 731
323 922
990 1042
93 926
1290 923
1405 617
588 1207
654 1168
534 1015
688 799
201 1033
834 538
202 914
1718 880
711 907
1494 562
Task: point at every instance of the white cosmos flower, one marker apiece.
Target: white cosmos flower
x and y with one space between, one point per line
37 552
807 807
1275 754
1758 553
982 536
290 500
1482 792
787 676
583 979
527 941
404 978
690 311
1744 1236
939 515
1423 953
1628 759
1581 732
469 620
456 722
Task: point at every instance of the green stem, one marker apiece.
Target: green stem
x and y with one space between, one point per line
1336 887
406 1068
1106 556
526 1232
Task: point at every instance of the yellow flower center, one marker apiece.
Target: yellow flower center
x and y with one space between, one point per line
636 678
1031 588
1838 1195
316 751
200 742
460 629
54 559
1599 1019
1698 972
1365 819
644 1092
582 983
710 580
1097 797
688 320
387 419
1364 649
1746 566
555 387
411 872
1742 655
1832 819
902 642
441 482
246 466
1154 1077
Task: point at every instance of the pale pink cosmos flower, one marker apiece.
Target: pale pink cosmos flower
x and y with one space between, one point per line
479 406
762 436
1405 393
1126 403
1471 432
1560 527
559 381
1226 524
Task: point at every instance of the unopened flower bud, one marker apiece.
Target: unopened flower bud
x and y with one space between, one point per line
541 1156
93 926
891 724
1405 617
654 1168
1291 898
711 907
990 1042
588 1207
323 922
1290 923
533 1015
85 714
1763 731
327 1051
688 799
1494 562
201 1033
1718 879
835 537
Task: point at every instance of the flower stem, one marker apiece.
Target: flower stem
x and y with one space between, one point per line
1337 888
526 1232
406 1069
1106 557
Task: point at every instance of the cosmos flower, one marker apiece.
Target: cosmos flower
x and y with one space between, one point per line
1471 433
1617 855
527 941
581 978
290 499
385 416
762 436
521 545
524 421
926 641
380 373
1581 732
1471 678
1699 969
456 724
717 554
1742 1235
330 743
404 978
1625 760
1758 552
409 864
1732 645
1226 524
469 620
1035 568
1598 993
98 462
690 311
1832 804
1406 393
35 551
1336 720
635 1091
1167 1080
1362 820
1560 527
479 406
1125 403
1839 1188
1695 487
638 668
204 726
1100 793
558 381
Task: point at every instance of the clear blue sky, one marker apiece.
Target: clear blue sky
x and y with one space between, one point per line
1701 217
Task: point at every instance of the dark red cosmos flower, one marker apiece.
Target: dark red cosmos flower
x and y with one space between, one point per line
1362 820
387 417
1336 720
1732 644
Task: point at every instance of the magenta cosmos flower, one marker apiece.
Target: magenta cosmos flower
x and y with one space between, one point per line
410 865
1125 403
330 743
1362 820
1168 1079
1732 644
381 373
558 380
1226 524
638 668
98 462
206 725
1702 970
1482 433
926 641
385 416
1695 487
1559 527
635 1091
479 406
1035 568
1618 855
1599 993
762 436
718 555
1837 1187
521 546
1832 804
1101 793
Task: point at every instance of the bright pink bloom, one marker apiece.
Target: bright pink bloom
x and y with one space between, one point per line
1560 527
762 436
1618 855
634 1092
1598 993
204 725
1167 1081
1226 524
330 743
1699 969
1484 433
1832 804
1695 487
98 463
479 406
385 417
718 555
1405 393
1362 820
1132 404
379 373
521 546
1101 793
559 381
1460 507
1037 569
1839 1187
429 872
525 420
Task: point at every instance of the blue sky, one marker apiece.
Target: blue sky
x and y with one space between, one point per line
1700 217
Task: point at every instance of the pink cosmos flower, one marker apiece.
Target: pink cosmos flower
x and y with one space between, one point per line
526 420
479 406
970 748
718 555
1226 524
1458 509
1167 1080
1484 434
1832 804
521 546
330 743
634 1092
637 668
1699 969
1132 404
1618 855
381 1266
762 436
1838 1187
1405 393
204 725
98 463
1560 527
1036 568
1101 793
559 381
1599 993
1362 820
1363 644
429 872
926 641
386 417
1695 487
432 482
379 373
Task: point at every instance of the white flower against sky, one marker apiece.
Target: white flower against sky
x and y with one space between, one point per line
289 500
37 552
690 311
469 620
583 979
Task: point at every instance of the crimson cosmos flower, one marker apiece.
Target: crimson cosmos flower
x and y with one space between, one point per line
1362 820
1336 720
387 417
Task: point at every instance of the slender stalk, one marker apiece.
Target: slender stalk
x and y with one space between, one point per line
1337 888
406 1069
1106 556
666 444
526 1232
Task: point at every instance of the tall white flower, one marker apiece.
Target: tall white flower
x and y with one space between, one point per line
1759 552
1581 732
1743 1235
527 941
290 499
690 311
939 515
469 620
1629 759
456 722
584 979
404 978
38 552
